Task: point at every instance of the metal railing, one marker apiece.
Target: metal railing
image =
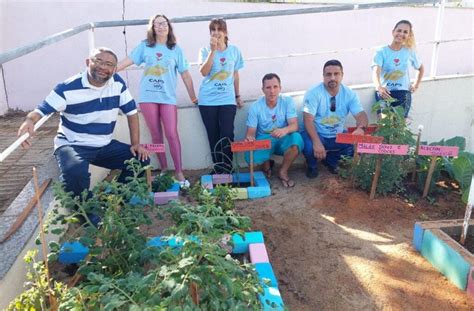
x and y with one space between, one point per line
24 50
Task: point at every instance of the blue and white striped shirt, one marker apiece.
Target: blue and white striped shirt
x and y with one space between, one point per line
88 113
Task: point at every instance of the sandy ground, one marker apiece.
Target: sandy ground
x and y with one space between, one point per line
333 249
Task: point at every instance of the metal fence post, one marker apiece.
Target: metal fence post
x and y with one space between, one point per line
439 27
91 38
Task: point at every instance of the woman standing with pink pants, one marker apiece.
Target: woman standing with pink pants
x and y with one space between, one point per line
163 59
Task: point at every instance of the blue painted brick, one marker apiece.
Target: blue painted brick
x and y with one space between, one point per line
262 182
271 299
174 187
205 179
418 236
72 252
258 192
242 177
265 271
445 259
258 175
241 243
157 242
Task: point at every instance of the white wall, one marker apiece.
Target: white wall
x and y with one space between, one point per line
29 79
442 106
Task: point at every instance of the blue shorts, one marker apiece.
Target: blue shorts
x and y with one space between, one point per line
403 99
279 147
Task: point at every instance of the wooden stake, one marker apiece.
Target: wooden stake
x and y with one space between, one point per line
378 168
430 175
24 214
148 178
251 168
467 215
413 174
52 300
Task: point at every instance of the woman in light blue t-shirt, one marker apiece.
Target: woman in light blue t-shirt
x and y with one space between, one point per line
391 64
163 59
219 94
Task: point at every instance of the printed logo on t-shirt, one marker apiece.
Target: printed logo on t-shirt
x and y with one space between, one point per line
156 70
159 56
397 61
394 75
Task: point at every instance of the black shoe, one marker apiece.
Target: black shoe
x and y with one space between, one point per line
312 172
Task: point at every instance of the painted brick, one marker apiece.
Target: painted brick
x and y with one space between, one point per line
258 253
72 252
221 179
265 271
206 181
258 175
271 299
241 243
174 187
242 177
445 259
165 197
470 282
418 236
157 242
262 182
241 193
258 192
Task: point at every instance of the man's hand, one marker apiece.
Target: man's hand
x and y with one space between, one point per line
250 138
140 152
358 131
26 127
279 133
319 151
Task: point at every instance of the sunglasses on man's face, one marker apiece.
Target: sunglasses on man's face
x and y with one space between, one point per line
333 104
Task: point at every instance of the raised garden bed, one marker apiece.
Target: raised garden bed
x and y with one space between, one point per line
435 241
260 189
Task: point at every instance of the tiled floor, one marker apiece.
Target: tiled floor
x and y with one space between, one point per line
16 170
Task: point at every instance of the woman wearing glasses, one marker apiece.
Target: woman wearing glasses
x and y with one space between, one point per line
390 68
162 59
219 94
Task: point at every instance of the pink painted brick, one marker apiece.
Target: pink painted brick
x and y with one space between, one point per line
470 282
221 179
165 197
258 253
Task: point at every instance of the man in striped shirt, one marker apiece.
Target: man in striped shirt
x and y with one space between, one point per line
89 104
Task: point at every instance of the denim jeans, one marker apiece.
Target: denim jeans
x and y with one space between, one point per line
334 151
403 99
73 162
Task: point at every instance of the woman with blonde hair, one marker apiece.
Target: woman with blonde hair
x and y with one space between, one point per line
163 59
390 68
219 94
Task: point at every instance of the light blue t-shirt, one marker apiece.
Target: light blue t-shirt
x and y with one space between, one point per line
395 67
158 83
217 88
317 102
266 119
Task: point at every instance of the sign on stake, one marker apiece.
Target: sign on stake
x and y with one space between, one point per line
380 150
158 148
251 146
435 152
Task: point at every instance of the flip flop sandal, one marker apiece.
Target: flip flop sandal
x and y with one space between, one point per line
287 183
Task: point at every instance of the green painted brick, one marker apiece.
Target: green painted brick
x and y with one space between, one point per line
445 259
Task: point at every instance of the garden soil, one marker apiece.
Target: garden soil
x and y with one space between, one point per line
332 248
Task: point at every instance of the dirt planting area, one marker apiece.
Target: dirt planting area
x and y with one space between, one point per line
333 249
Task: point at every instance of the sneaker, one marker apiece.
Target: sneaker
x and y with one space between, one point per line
312 172
184 184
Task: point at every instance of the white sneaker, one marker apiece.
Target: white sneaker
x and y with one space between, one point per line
184 184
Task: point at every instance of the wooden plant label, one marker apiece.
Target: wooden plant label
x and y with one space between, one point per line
439 151
346 138
240 146
159 148
382 149
368 131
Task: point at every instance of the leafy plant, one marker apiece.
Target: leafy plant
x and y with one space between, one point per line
162 183
393 128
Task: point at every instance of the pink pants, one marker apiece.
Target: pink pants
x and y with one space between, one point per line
154 115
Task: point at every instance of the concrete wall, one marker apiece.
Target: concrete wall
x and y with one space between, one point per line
442 106
30 78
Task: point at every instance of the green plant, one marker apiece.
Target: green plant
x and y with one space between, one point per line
162 183
393 128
